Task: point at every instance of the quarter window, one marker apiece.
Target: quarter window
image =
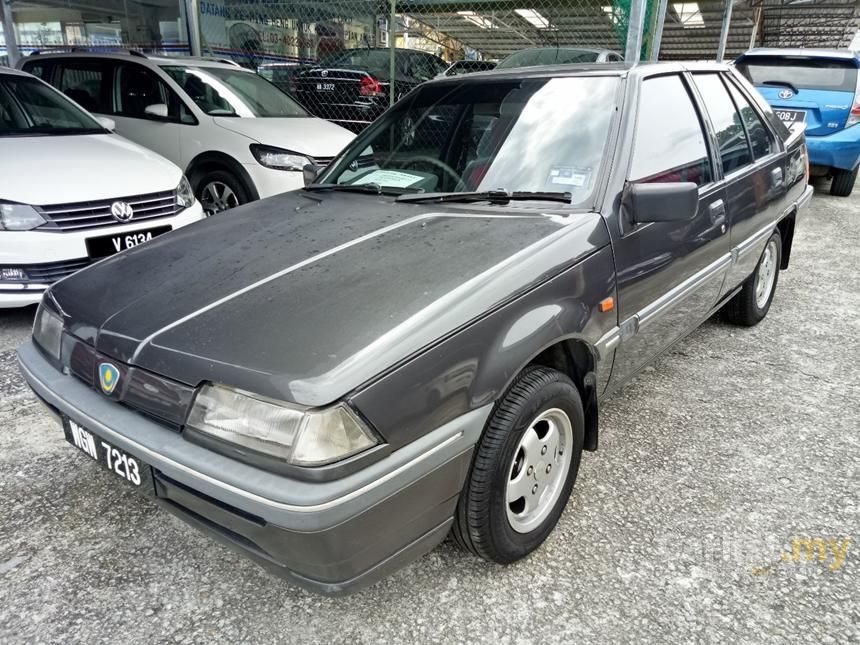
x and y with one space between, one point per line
669 143
759 137
138 88
731 138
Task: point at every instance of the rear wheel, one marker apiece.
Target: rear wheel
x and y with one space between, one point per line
218 191
843 182
752 302
524 468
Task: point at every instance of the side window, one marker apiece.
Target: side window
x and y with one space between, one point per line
759 136
36 69
734 151
86 83
137 88
669 144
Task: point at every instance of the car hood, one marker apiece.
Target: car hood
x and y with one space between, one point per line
313 295
61 169
306 135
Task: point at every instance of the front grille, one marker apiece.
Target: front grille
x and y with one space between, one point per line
83 215
50 272
322 162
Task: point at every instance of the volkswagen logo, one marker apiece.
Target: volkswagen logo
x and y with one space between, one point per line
121 211
786 94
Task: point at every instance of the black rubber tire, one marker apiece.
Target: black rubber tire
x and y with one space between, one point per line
743 309
843 182
480 523
207 177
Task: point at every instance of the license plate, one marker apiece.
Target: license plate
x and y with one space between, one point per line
325 87
104 245
128 467
790 116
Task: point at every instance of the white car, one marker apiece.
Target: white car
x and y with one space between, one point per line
236 135
71 191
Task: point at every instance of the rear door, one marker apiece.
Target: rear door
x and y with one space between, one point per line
825 88
669 274
754 170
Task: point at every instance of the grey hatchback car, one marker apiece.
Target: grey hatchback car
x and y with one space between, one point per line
417 344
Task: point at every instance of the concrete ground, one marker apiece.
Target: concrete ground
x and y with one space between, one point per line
687 525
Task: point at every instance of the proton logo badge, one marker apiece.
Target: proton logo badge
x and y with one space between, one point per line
786 94
121 211
108 377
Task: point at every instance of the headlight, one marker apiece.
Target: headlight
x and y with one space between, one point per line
19 217
48 331
278 158
184 194
299 436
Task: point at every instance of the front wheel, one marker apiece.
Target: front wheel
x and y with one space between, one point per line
752 302
524 468
219 191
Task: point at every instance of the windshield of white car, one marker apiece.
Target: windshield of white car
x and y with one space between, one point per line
29 108
537 135
221 91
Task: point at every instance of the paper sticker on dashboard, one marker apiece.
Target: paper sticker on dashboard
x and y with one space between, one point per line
567 176
392 178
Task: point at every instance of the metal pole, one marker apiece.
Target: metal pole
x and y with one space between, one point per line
658 30
633 50
756 20
392 22
192 19
724 33
9 33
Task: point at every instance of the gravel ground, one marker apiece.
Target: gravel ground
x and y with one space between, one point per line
680 528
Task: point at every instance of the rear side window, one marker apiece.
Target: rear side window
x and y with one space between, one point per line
137 88
86 83
731 138
669 144
807 73
760 139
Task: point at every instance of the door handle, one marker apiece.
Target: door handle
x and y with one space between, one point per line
717 212
776 176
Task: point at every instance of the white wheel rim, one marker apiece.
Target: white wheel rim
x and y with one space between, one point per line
766 275
538 470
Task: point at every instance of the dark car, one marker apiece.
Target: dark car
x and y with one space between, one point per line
351 87
418 343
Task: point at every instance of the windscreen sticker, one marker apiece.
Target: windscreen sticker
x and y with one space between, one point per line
567 176
392 178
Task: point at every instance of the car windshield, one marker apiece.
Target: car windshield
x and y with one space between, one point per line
376 61
544 135
808 73
548 56
221 91
28 107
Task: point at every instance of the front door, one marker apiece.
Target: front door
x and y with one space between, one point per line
669 273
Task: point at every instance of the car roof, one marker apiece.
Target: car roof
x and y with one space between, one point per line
12 72
804 52
141 58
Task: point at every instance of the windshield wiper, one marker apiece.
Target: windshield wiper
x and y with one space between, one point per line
492 196
781 84
371 188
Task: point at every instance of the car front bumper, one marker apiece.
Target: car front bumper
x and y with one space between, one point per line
269 181
40 248
331 537
840 150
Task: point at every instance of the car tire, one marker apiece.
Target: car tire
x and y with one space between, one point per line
753 301
219 190
538 424
843 182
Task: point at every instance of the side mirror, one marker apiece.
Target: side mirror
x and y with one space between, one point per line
158 110
310 172
670 202
106 122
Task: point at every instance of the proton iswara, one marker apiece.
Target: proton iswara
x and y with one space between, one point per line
418 342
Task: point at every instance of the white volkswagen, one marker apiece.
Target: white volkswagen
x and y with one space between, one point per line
72 191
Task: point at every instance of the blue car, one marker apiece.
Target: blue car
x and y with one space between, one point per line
818 87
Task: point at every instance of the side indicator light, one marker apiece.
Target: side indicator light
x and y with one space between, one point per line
607 304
